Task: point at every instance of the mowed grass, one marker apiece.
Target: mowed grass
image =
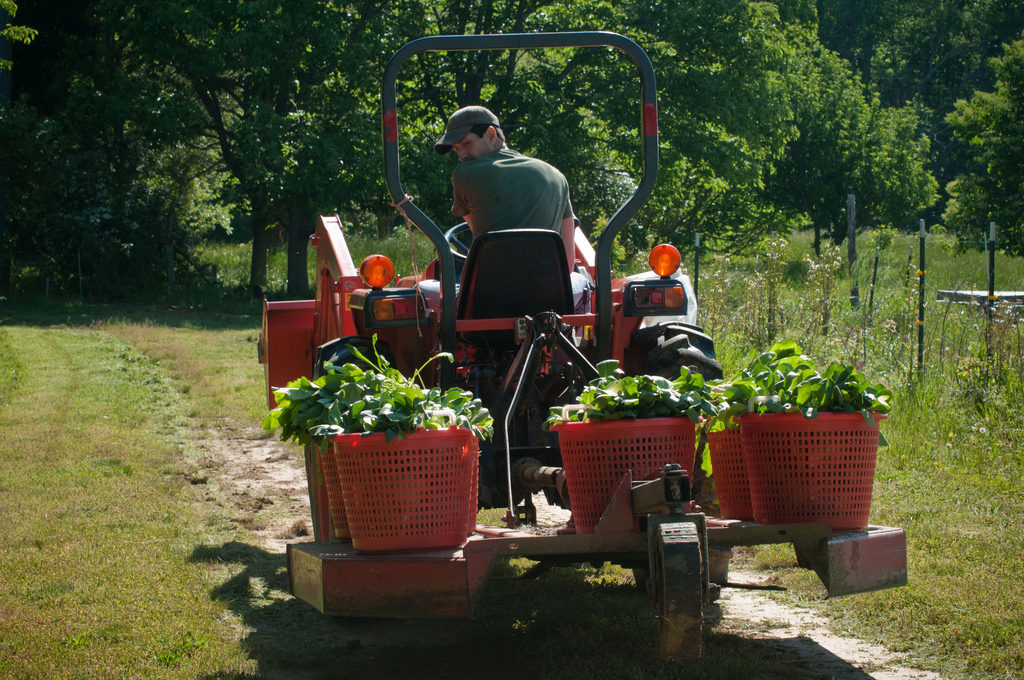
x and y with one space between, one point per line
98 528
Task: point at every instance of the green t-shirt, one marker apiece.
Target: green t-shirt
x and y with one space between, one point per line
507 190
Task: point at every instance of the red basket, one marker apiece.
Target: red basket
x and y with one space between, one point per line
597 455
335 498
416 493
811 470
730 474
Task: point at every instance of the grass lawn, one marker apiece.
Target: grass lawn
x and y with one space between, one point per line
99 528
113 564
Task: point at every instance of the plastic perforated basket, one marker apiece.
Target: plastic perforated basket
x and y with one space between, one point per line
730 474
596 456
335 497
811 470
411 494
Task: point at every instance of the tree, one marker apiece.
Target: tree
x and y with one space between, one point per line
11 33
925 53
992 125
848 142
284 91
722 121
8 34
724 118
99 198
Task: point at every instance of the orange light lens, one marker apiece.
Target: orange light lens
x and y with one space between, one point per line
383 310
377 271
675 298
664 259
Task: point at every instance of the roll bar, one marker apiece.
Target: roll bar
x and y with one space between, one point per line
520 41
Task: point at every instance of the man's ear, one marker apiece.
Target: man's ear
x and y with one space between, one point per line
492 137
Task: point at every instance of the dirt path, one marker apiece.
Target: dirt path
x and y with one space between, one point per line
804 636
262 483
260 479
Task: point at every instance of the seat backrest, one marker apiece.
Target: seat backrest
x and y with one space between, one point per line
515 272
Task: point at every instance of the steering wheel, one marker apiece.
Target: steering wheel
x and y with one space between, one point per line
459 238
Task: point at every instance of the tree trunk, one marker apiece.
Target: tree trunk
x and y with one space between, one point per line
384 224
258 268
299 230
5 100
5 255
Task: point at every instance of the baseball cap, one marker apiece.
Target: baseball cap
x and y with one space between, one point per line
462 123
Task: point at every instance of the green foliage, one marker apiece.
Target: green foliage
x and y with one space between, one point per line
848 143
613 395
267 112
101 215
990 123
762 312
174 653
353 399
11 372
18 34
785 380
924 54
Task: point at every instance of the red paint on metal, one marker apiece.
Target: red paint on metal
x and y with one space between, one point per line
319 502
286 343
336 579
650 119
390 126
618 515
509 323
337 278
862 561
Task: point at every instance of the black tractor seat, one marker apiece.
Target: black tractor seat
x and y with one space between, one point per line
513 273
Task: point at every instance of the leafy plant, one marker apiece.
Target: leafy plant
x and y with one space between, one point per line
354 399
613 395
785 380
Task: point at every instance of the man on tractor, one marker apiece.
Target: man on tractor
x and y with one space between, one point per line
496 188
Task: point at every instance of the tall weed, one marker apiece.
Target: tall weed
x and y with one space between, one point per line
761 313
822 286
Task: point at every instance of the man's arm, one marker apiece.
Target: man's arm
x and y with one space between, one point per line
568 238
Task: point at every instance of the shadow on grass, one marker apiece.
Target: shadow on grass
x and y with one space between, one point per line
563 626
40 311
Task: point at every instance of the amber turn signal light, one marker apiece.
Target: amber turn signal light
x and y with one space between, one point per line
664 259
377 271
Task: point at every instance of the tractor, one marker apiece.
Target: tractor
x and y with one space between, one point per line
525 332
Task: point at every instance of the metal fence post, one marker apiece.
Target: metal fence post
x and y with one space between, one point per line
696 266
920 304
871 290
991 246
851 246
